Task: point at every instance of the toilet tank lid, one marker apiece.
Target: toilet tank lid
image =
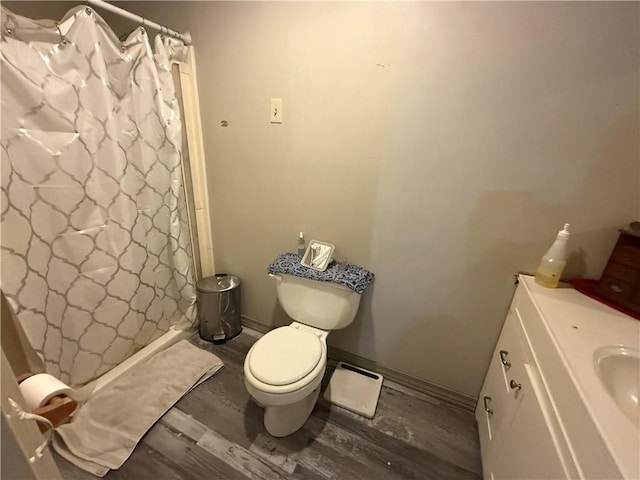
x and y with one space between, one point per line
353 277
284 356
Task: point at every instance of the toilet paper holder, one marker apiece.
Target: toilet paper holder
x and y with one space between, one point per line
57 410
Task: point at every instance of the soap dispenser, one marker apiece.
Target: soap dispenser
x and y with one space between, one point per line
553 262
301 246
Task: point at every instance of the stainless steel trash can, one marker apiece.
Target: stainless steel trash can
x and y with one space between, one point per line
218 300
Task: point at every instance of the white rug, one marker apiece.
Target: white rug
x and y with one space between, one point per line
355 389
106 429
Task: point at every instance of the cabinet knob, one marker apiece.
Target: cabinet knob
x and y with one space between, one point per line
486 401
503 358
515 385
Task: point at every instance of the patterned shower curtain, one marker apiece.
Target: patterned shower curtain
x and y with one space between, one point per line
95 250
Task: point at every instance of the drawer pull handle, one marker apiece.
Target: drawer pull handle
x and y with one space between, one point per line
486 401
503 358
516 386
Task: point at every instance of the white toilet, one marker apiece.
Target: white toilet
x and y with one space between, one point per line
284 368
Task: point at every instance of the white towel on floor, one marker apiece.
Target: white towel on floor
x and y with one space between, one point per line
107 428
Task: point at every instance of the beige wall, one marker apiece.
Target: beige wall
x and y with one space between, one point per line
440 145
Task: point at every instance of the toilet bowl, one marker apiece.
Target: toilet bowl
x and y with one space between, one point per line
283 369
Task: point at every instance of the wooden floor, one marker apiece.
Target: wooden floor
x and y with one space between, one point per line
216 431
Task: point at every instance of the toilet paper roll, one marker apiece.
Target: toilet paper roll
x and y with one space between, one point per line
38 389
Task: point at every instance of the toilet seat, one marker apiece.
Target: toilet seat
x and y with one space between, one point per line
285 356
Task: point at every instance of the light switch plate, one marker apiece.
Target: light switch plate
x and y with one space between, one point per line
276 110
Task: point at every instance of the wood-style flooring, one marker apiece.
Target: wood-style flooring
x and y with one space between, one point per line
216 431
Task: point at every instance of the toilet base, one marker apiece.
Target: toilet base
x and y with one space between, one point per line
284 420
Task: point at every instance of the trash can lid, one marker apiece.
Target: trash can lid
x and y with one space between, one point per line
218 283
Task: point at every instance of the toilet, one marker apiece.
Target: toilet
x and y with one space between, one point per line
284 368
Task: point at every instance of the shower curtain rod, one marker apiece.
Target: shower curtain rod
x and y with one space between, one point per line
185 37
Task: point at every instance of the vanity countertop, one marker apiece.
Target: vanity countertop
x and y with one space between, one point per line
579 328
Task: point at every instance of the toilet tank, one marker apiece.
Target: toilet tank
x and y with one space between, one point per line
324 305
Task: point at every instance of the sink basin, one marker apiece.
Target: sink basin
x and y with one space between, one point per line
619 370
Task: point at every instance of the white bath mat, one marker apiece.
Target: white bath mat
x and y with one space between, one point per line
106 429
355 389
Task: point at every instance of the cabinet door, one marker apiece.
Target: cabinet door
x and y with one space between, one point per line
529 450
497 395
492 408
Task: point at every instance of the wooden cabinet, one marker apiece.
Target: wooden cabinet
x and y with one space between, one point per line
620 282
519 436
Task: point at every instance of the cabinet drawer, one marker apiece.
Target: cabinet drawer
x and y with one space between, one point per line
621 272
635 299
627 254
615 289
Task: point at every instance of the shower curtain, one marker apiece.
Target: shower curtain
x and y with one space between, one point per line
95 252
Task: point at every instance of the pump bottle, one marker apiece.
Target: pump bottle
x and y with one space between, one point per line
301 246
553 262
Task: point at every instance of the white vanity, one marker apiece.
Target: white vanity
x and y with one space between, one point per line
560 399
